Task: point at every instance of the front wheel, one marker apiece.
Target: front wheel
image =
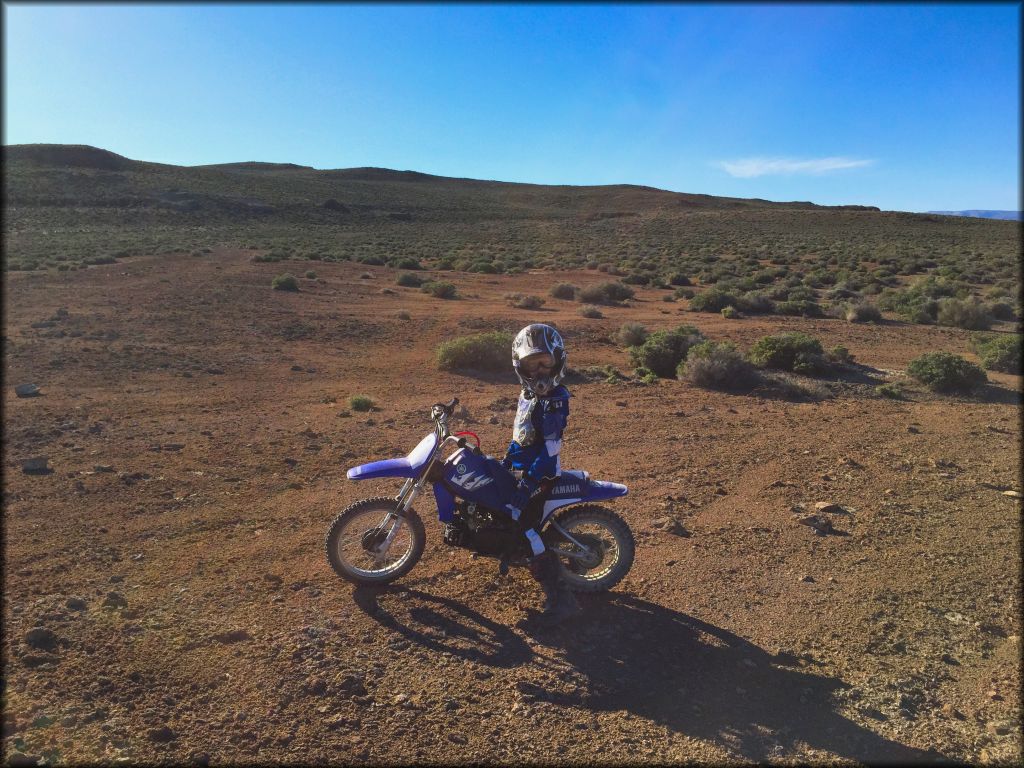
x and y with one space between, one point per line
608 541
357 542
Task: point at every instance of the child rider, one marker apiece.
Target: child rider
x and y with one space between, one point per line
538 358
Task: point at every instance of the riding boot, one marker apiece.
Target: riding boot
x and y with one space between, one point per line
559 601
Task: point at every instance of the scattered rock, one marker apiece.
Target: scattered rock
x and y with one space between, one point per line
351 686
20 760
37 465
75 604
1012 494
115 600
830 508
26 390
1000 727
670 525
913 430
806 578
819 523
161 735
232 636
173 446
457 738
41 638
35 660
102 468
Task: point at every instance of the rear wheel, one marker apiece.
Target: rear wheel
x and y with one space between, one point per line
357 545
608 541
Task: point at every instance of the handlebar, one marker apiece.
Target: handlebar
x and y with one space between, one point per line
437 410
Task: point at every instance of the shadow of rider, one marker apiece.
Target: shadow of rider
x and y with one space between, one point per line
628 654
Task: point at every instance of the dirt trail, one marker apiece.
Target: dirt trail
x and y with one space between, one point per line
194 422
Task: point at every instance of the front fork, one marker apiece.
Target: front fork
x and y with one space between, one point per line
410 490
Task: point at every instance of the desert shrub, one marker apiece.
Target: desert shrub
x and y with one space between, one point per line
405 262
891 390
800 293
683 293
840 354
787 352
310 274
712 300
998 352
524 301
668 297
756 303
439 289
862 312
590 311
662 351
366 276
605 293
918 303
360 403
794 388
637 278
409 280
946 372
799 308
285 282
371 261
968 313
1002 310
678 278
563 291
717 366
631 334
731 313
403 314
481 351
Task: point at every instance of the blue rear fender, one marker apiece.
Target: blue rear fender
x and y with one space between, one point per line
599 490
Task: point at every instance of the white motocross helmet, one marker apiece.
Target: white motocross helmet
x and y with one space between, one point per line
534 339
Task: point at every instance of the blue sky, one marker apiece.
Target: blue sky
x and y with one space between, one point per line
907 107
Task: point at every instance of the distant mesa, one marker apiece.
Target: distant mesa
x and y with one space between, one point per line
68 155
982 214
253 165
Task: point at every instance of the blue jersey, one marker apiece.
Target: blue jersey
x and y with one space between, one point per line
537 434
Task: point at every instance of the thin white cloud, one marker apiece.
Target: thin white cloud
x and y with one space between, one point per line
750 167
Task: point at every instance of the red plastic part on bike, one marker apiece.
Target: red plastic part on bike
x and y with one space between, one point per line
471 434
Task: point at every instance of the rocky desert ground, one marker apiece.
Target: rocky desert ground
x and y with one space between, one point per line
166 596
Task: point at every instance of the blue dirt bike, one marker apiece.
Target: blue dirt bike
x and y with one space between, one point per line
379 540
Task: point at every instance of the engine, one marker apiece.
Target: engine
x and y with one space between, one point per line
482 530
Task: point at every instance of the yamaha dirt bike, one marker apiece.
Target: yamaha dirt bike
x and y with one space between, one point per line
379 540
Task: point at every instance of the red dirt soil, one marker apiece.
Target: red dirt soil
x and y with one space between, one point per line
194 420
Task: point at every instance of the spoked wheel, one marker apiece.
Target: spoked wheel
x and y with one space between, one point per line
608 544
358 547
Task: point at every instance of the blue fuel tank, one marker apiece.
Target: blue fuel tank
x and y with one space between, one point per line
478 478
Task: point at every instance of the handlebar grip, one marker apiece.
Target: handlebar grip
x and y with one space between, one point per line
452 403
461 442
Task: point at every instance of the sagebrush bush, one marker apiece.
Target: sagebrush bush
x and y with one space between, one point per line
631 334
998 352
285 282
717 366
605 293
946 372
480 351
683 293
891 390
787 352
840 354
590 311
712 300
862 312
524 301
1002 310
409 280
731 313
967 313
756 303
662 351
678 278
440 289
799 308
360 403
403 314
563 291
310 274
